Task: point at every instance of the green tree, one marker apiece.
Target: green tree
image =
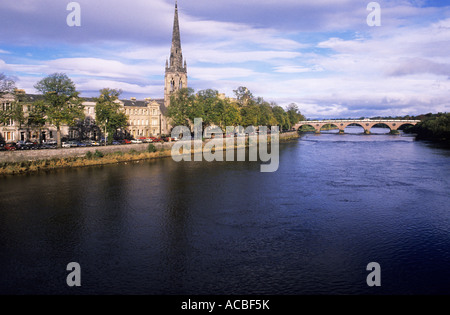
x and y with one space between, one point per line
180 111
36 116
243 95
282 117
228 114
265 114
108 112
249 115
294 114
434 127
207 107
63 104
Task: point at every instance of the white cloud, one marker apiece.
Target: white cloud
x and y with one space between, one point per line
296 69
272 47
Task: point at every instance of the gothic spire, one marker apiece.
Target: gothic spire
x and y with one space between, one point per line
176 55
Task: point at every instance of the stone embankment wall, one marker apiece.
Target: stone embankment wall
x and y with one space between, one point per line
35 155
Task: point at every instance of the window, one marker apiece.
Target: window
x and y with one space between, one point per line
6 106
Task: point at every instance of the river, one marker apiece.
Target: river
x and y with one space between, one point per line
336 203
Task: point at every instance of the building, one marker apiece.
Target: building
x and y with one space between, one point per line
146 117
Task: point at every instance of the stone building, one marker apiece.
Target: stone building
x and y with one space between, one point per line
146 117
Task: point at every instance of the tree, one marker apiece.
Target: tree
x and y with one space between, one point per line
63 104
434 127
249 115
227 114
282 117
243 95
7 85
181 111
14 109
294 114
265 114
206 107
108 112
36 116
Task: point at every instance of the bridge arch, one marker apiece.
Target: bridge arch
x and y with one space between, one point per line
357 124
304 128
365 124
402 125
330 126
382 125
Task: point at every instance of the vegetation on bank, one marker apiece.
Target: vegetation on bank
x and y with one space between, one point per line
434 127
216 109
90 159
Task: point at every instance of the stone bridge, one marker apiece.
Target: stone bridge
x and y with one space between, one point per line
366 124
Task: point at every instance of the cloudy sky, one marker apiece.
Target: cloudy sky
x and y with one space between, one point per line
321 54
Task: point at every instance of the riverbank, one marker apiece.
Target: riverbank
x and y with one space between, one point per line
22 162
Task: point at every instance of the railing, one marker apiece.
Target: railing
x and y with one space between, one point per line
355 120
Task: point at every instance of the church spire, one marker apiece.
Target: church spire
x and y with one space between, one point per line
176 55
176 69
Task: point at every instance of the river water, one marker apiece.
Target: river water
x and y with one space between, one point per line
336 203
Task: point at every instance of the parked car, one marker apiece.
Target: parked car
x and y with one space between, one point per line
94 143
115 142
70 144
126 141
47 145
21 145
11 146
2 147
80 144
158 140
136 141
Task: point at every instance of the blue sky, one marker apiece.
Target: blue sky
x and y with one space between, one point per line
319 54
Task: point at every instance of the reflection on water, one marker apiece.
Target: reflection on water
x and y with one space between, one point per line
336 203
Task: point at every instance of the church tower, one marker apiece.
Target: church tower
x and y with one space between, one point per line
176 70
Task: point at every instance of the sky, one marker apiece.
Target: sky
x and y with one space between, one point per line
321 55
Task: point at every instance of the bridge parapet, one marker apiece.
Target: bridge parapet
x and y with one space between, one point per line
367 124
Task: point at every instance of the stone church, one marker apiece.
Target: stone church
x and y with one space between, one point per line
147 117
